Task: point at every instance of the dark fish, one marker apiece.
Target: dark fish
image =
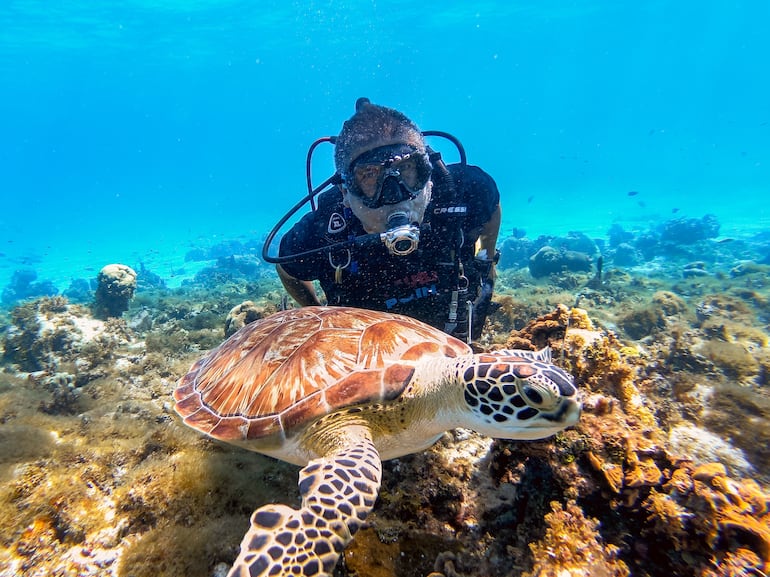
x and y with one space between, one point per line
674 210
723 240
517 232
633 192
530 199
642 203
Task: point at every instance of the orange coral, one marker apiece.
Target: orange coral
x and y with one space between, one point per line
709 519
711 505
549 330
667 517
572 546
738 563
738 509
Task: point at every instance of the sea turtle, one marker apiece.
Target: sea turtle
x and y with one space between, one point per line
336 390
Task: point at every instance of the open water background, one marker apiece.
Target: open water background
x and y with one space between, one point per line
132 131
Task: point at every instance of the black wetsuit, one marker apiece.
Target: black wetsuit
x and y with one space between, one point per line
420 284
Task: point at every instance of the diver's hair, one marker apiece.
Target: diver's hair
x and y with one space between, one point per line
369 123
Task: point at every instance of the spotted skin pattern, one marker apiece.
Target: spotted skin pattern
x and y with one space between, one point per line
517 386
338 492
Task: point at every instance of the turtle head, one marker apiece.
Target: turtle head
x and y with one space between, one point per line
515 394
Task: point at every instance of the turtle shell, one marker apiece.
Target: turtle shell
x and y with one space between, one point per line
284 371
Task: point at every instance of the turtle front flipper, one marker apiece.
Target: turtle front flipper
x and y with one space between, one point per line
338 492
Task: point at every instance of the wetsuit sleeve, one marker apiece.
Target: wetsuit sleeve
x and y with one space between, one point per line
300 238
480 194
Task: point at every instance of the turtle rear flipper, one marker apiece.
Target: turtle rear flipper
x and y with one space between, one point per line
338 492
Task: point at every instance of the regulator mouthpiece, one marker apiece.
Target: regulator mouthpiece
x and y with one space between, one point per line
402 237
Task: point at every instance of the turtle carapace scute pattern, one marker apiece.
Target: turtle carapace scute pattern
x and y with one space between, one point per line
337 390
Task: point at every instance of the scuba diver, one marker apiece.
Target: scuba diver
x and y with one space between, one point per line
397 230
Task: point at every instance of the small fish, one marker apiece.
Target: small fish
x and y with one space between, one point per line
674 210
530 199
633 192
724 240
642 203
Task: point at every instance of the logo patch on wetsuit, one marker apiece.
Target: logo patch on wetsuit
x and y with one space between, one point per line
450 210
336 223
419 293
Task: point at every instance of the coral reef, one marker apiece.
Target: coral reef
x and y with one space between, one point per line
243 314
52 336
224 249
654 317
578 242
689 230
549 260
115 286
626 254
573 547
64 394
80 291
667 472
617 235
696 512
515 252
148 280
23 285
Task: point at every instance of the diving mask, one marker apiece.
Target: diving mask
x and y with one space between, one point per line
388 175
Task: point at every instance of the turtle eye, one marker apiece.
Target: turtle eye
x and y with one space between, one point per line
539 395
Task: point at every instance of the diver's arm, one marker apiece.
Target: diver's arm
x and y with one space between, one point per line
301 291
488 238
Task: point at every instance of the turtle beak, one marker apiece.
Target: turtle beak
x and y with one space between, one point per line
567 413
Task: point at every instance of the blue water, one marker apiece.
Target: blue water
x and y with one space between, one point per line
131 131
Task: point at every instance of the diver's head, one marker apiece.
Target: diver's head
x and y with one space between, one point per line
382 158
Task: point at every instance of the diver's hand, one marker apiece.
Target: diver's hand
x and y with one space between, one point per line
492 274
486 266
483 305
301 291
